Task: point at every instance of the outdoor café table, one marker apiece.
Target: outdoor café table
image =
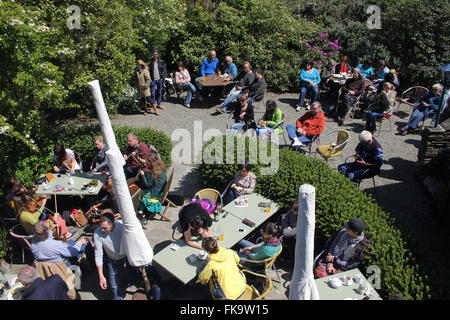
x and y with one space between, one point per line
10 278
77 188
252 212
228 223
350 292
216 81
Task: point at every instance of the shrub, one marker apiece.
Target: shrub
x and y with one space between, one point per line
5 245
337 200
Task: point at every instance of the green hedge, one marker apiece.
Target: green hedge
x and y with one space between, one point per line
337 200
28 165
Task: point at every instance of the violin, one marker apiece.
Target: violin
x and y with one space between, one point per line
32 202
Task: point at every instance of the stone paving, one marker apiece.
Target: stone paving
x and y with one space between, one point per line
397 188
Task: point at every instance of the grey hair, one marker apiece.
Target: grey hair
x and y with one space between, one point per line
27 275
365 136
40 231
358 71
437 87
316 103
132 135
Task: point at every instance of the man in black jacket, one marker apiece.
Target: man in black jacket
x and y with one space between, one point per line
53 288
257 88
158 74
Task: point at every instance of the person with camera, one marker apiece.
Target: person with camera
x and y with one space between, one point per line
134 156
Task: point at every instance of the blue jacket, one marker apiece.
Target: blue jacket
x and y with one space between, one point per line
231 70
54 288
209 67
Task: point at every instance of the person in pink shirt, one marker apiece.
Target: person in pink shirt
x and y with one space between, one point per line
182 79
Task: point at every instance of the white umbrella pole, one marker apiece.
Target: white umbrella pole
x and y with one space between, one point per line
303 286
134 242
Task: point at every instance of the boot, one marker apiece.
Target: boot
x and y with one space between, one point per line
155 109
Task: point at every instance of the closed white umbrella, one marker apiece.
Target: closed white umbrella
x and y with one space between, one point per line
303 286
134 242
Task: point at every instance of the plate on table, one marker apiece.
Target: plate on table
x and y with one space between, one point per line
335 282
16 292
347 281
92 189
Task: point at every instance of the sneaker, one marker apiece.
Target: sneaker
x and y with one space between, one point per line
308 108
297 143
71 235
220 110
298 108
187 105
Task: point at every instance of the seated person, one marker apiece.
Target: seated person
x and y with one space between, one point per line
52 288
368 159
28 219
395 82
257 88
46 249
222 266
64 160
380 104
352 88
134 156
11 190
244 117
428 103
388 78
183 81
210 65
270 119
99 163
346 251
153 183
341 68
230 68
366 68
244 182
310 79
311 124
382 69
289 221
245 78
193 218
272 235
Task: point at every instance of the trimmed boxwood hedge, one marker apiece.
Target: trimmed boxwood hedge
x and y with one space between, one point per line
337 200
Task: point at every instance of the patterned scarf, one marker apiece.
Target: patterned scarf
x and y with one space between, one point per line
273 241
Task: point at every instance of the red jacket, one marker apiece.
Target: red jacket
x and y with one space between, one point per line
313 125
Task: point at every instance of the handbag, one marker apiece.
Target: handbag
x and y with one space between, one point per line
78 218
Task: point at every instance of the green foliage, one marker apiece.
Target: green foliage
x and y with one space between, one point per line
5 245
337 200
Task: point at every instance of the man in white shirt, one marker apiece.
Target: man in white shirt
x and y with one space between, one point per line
107 242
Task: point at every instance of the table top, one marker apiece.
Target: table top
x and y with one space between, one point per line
76 188
215 81
327 292
228 224
8 277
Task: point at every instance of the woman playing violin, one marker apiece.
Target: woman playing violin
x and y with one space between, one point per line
64 159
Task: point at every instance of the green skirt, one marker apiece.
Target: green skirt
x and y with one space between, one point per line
152 204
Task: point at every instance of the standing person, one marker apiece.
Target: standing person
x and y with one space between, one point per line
153 183
99 163
310 79
134 155
311 124
246 78
193 218
158 73
53 288
368 159
64 159
183 81
221 266
243 116
271 118
107 244
209 66
244 183
143 81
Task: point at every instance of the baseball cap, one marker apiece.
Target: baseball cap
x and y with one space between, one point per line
355 224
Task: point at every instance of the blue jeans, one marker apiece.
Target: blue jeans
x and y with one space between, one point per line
198 83
292 133
355 171
191 90
303 91
74 260
235 127
371 123
115 268
234 94
156 88
415 118
245 244
263 133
